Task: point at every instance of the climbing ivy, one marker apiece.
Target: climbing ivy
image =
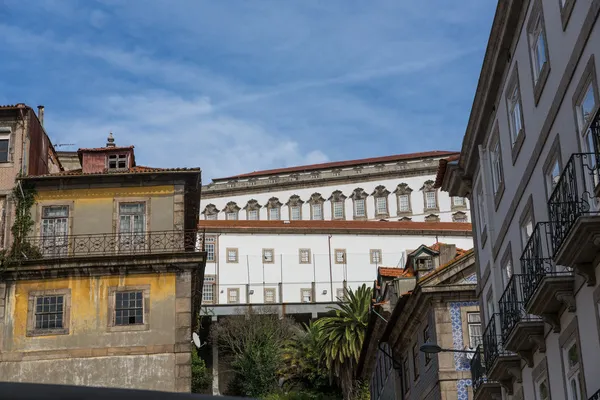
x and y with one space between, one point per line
24 198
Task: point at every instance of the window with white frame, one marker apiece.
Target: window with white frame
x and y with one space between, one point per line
515 112
117 161
381 205
538 50
306 295
527 226
208 289
252 215
552 176
359 208
338 209
481 210
132 226
375 256
458 201
403 203
232 255
586 106
340 256
304 256
316 211
55 229
295 213
233 296
573 373
231 216
340 294
211 217
430 200
209 247
4 147
496 164
507 271
274 213
270 294
474 327
268 256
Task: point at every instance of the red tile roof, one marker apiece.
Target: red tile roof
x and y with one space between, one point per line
338 164
441 172
436 247
100 149
464 254
242 225
134 170
396 272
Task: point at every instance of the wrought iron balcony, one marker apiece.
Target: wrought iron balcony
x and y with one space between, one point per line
109 244
478 376
547 286
499 363
518 327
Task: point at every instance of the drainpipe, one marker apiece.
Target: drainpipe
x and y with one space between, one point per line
330 269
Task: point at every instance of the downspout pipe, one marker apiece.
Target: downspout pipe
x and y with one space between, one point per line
330 269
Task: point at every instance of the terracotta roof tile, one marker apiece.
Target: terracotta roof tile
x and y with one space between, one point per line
133 170
396 272
100 149
441 172
465 254
242 225
337 164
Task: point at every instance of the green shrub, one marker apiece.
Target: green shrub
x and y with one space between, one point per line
201 377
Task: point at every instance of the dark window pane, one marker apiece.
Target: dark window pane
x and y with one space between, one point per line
3 150
129 311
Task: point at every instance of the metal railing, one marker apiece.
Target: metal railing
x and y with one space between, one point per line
573 196
109 244
478 371
536 260
512 306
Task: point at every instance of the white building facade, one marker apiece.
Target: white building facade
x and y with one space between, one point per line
529 163
302 234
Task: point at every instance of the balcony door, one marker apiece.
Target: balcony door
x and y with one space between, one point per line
132 227
55 230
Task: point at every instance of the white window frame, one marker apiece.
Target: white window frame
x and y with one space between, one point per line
574 373
274 293
340 256
357 208
5 136
306 294
251 213
304 256
231 216
274 214
212 242
235 299
209 281
295 213
537 37
375 256
430 200
515 112
381 205
404 203
496 165
211 217
316 211
458 201
481 217
268 256
232 255
338 210
474 325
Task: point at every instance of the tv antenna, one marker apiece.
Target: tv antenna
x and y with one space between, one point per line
196 341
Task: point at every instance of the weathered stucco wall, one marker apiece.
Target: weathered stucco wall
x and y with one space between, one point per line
152 372
96 210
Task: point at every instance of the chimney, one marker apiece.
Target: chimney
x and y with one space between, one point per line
447 253
110 142
41 115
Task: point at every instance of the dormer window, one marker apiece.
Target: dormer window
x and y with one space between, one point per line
117 161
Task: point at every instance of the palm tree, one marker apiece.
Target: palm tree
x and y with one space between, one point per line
342 336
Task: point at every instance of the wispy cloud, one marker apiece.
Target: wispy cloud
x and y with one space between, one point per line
239 86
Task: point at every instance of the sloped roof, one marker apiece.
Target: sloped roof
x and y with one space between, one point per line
133 170
339 164
441 172
396 272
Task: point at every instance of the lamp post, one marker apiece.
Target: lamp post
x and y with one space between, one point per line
433 348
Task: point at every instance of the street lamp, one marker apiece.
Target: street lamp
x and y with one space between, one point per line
433 348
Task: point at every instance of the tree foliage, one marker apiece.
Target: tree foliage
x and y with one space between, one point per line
201 378
343 334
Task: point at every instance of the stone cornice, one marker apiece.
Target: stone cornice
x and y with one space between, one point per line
325 178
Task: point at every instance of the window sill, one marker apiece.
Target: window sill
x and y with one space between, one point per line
129 328
538 87
404 213
6 164
516 147
431 210
458 208
361 218
48 332
387 215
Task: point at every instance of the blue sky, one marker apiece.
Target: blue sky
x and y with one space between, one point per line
241 85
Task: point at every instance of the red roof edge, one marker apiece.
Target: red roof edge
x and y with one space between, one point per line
441 172
335 164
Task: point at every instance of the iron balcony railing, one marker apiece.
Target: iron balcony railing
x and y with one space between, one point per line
573 196
512 305
478 371
536 260
492 343
108 244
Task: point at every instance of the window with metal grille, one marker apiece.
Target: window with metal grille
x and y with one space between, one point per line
305 256
49 312
233 296
306 295
375 256
381 205
340 256
403 203
270 295
129 308
208 290
474 324
268 256
253 215
359 208
232 255
55 229
338 210
430 200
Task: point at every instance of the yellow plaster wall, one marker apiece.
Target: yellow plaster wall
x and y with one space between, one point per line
89 313
92 209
